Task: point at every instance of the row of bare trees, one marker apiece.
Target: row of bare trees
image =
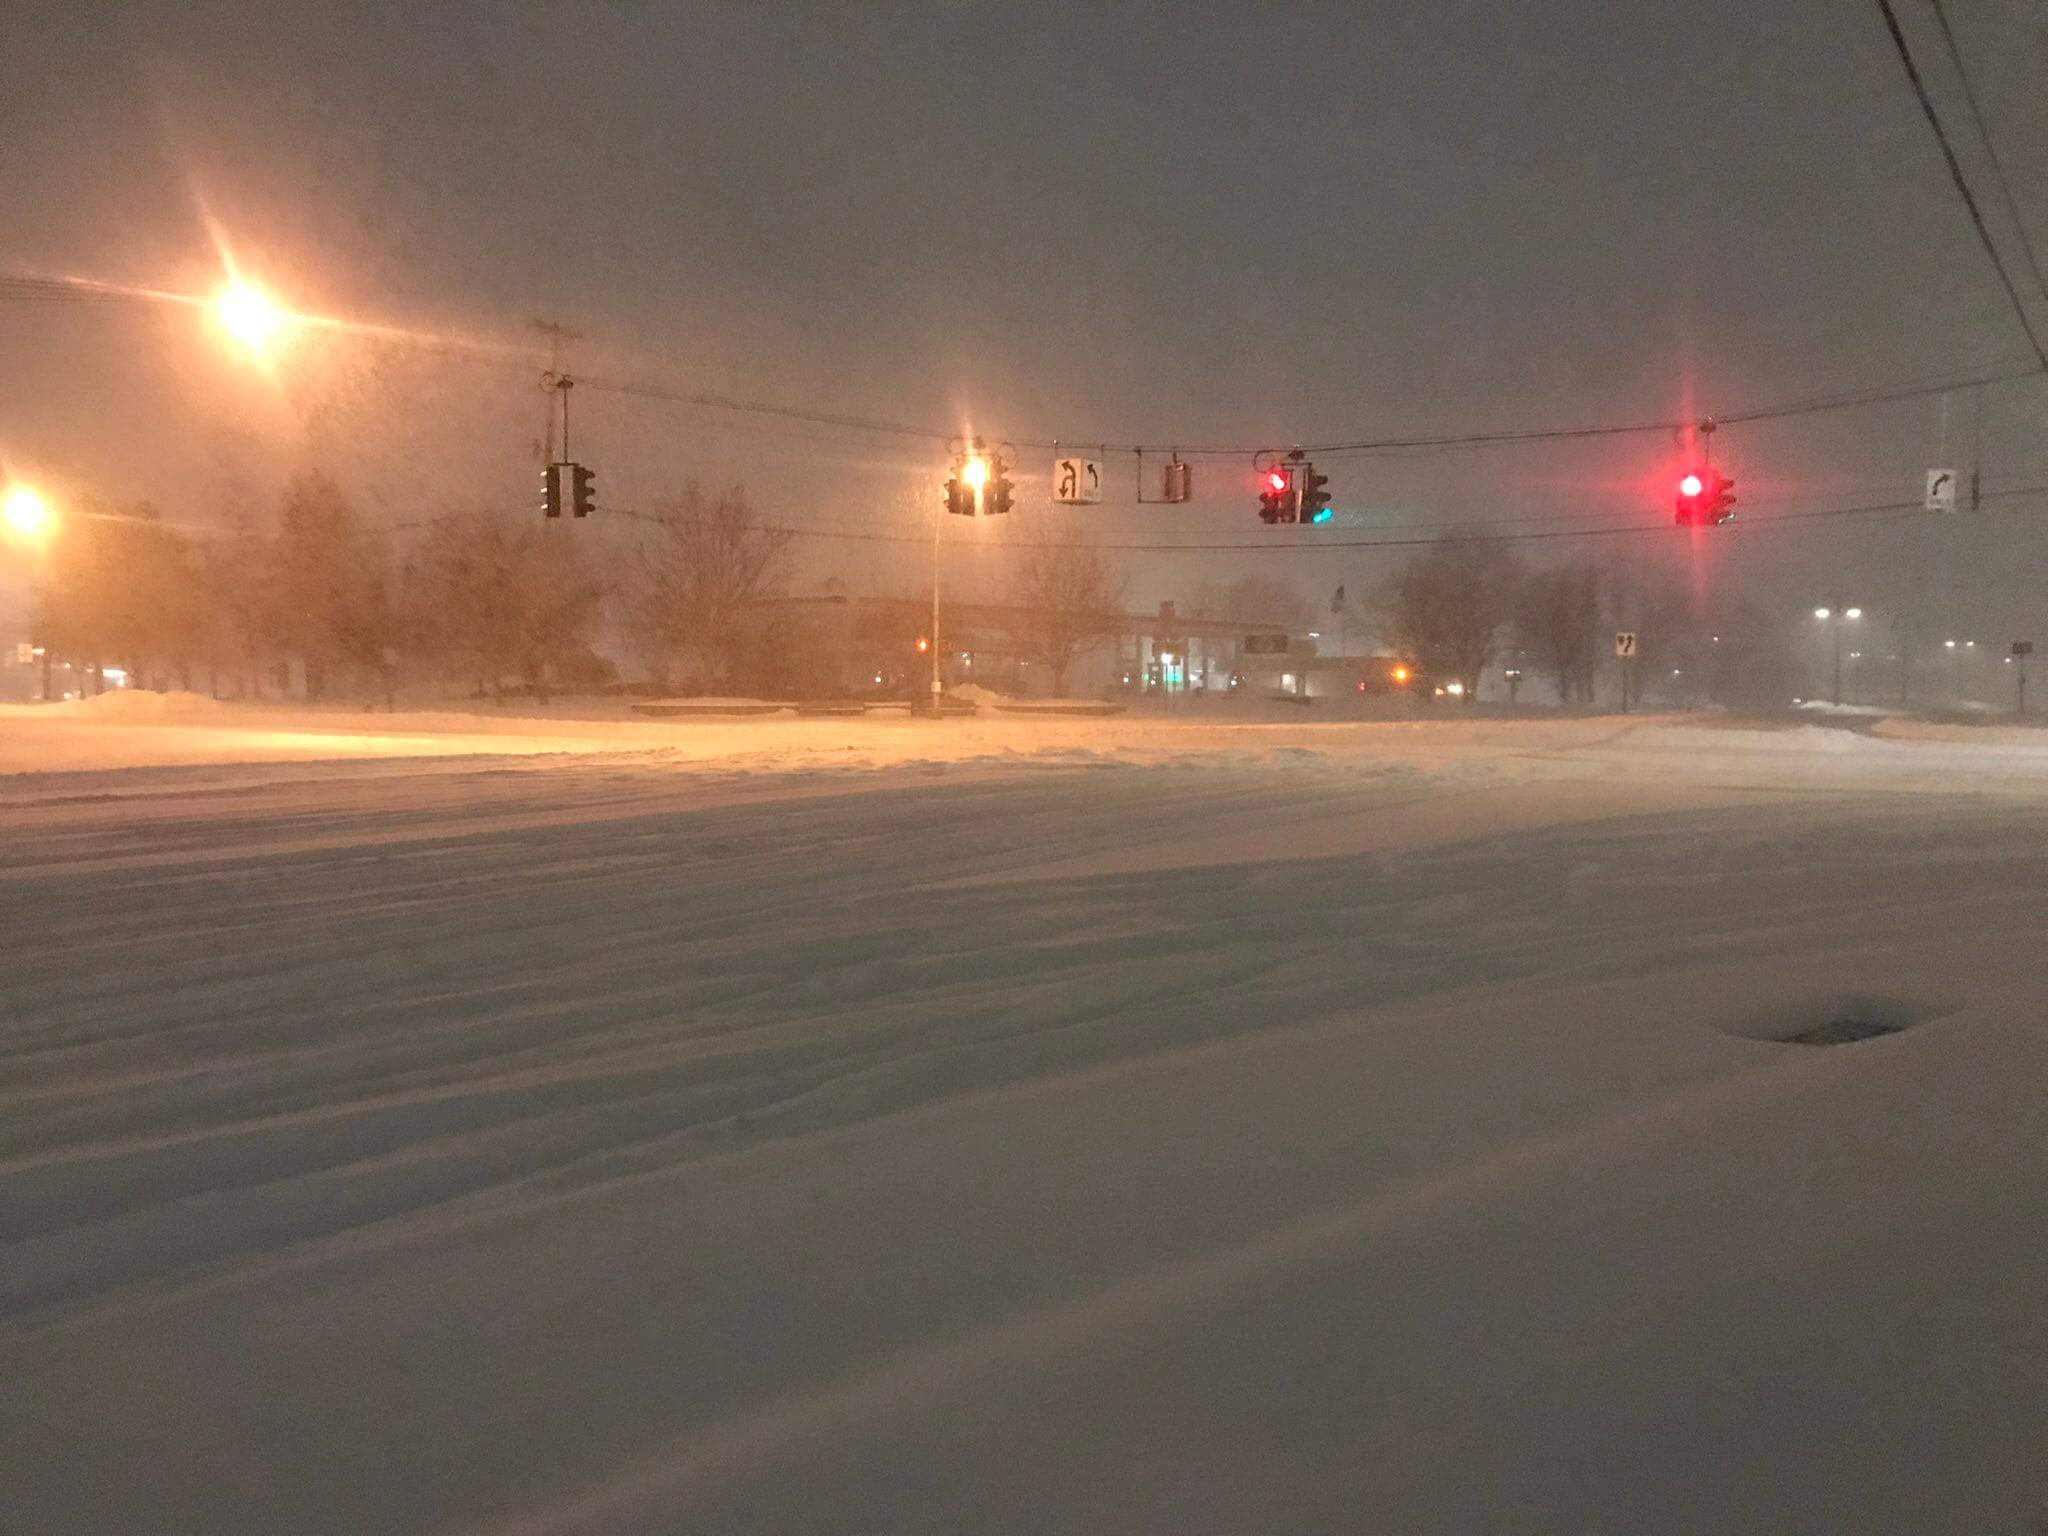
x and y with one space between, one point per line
471 596
486 599
1462 603
483 599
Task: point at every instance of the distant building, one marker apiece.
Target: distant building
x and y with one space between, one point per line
874 644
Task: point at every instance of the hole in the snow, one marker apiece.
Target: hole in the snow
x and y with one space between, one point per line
1839 1019
1844 1031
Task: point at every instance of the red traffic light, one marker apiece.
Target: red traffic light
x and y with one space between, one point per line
1705 496
1276 480
923 644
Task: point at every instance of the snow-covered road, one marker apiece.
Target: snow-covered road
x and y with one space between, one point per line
1019 1126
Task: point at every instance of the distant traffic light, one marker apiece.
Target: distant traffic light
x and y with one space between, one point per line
923 645
964 487
583 496
551 491
1276 496
1177 481
1705 496
1690 489
1314 501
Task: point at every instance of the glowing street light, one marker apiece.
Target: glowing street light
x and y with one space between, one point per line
26 515
249 316
974 473
1837 613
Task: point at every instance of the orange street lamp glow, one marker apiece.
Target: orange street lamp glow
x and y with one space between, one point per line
25 513
974 472
249 315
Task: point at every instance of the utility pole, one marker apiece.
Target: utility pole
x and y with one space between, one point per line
556 334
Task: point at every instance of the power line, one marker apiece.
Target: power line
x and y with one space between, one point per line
20 288
1955 172
1872 395
1317 545
2012 210
717 402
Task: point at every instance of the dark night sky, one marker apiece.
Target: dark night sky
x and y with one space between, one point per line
1192 223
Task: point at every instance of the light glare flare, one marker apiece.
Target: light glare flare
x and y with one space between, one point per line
26 513
975 473
248 315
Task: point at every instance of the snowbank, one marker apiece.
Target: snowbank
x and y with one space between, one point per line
137 705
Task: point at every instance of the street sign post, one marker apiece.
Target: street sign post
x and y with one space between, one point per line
1625 648
1077 482
1941 490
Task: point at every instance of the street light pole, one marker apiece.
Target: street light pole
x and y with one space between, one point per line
938 523
1832 614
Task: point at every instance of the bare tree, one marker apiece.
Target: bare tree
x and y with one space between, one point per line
1066 596
231 575
121 588
706 563
327 583
497 598
1446 608
1557 620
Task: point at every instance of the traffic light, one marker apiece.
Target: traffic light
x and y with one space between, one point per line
582 493
1000 489
1720 500
923 644
1276 496
1692 488
551 490
1705 497
1314 500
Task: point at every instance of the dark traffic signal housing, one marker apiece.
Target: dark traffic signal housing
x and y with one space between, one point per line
1001 489
1314 500
570 485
